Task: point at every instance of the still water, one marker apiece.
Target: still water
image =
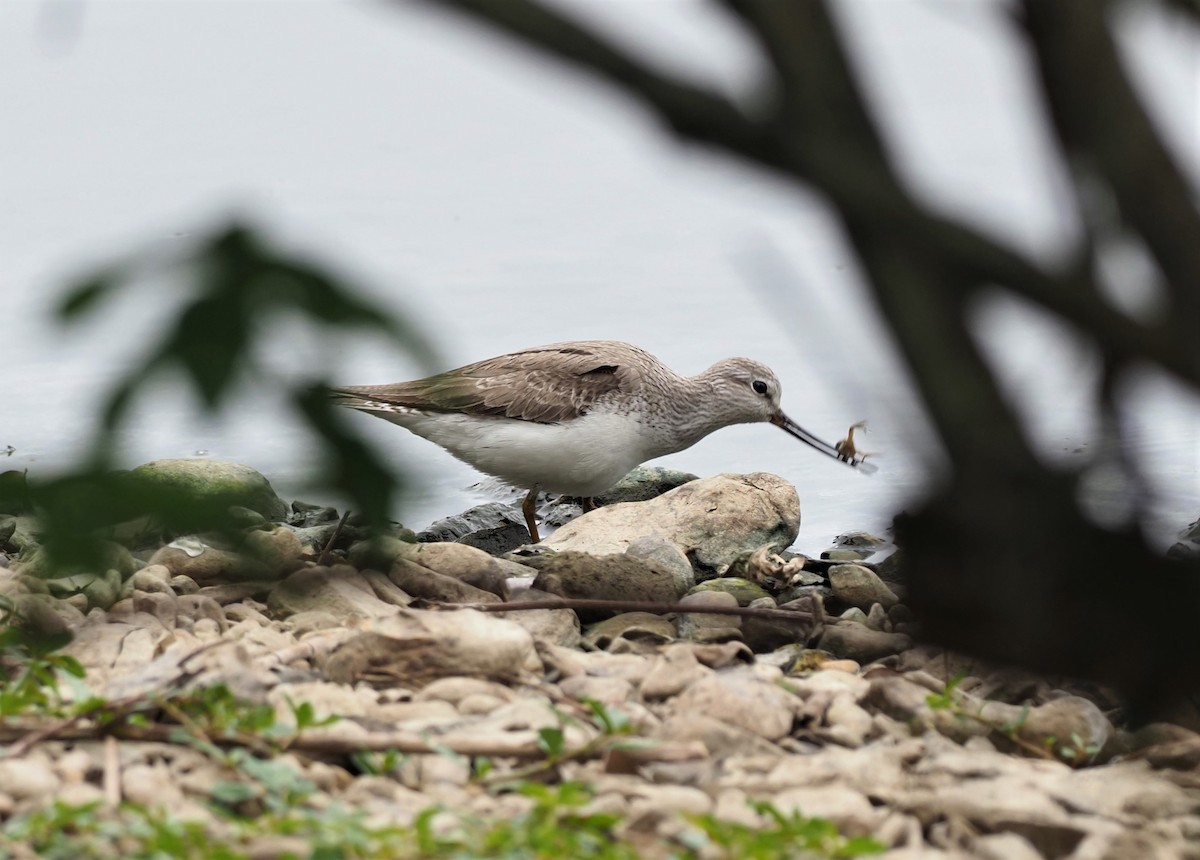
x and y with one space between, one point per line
501 202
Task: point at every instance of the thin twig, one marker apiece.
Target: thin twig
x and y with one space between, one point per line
56 728
524 746
112 773
795 615
337 531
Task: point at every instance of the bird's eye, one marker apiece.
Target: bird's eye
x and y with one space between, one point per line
759 386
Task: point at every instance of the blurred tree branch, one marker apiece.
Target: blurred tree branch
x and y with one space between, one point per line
1002 560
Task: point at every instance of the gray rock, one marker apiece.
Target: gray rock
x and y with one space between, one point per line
317 537
8 527
208 565
467 564
712 521
24 535
800 596
415 647
341 590
848 809
162 605
667 556
558 626
113 556
29 778
877 618
481 517
606 577
181 584
742 590
385 589
638 627
859 586
1071 727
42 613
722 739
423 583
764 635
848 723
606 691
155 577
201 606
213 485
739 700
498 539
643 483
856 642
378 552
307 515
861 540
104 591
856 615
673 670
1004 846
457 689
847 555
700 626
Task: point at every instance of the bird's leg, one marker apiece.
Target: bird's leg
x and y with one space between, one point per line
529 508
589 504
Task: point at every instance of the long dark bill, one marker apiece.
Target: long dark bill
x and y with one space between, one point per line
792 428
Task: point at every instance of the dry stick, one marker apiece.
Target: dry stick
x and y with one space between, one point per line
112 773
337 530
29 740
46 731
641 606
403 742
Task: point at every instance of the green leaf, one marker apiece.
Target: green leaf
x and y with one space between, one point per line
83 298
551 741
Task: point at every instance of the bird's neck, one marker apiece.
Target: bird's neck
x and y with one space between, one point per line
688 415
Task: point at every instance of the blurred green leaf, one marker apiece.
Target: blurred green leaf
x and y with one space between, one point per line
81 299
236 283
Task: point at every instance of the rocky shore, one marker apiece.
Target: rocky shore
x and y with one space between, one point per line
426 684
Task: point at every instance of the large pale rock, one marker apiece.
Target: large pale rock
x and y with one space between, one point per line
741 701
858 642
712 521
415 647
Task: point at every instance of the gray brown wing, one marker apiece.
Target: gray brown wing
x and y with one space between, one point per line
544 384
